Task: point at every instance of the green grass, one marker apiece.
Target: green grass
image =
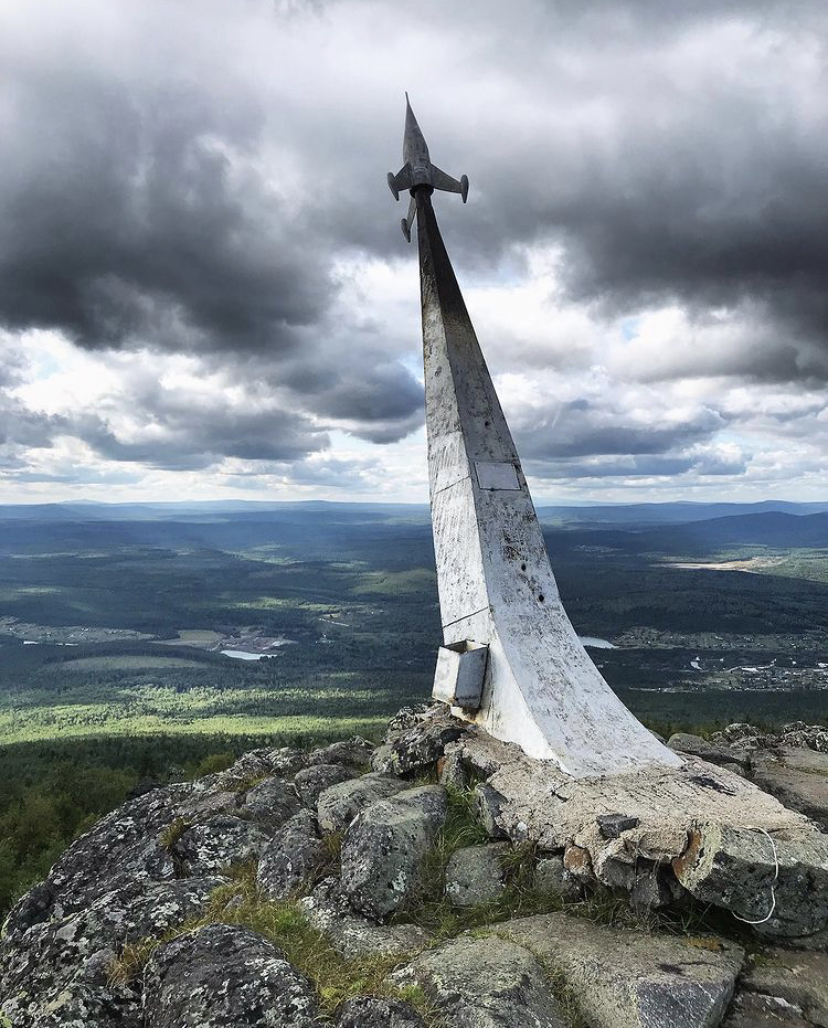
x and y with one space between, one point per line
336 978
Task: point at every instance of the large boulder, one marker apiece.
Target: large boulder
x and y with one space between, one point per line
225 977
292 859
384 850
417 742
475 875
354 753
339 804
221 842
271 802
311 782
627 979
485 983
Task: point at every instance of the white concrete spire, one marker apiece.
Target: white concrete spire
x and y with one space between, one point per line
496 585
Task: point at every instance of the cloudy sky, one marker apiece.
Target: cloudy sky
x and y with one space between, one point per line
204 291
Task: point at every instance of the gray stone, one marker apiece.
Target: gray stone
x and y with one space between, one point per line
797 979
696 746
488 805
339 804
453 772
351 935
221 842
57 969
225 977
311 782
741 870
475 875
815 737
753 1011
552 877
369 1012
272 802
354 753
485 983
612 825
293 858
204 804
260 764
627 979
653 889
420 745
797 777
385 846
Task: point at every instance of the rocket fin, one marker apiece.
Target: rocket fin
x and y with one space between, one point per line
402 180
440 180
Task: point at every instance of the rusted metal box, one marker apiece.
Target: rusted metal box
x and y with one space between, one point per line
458 678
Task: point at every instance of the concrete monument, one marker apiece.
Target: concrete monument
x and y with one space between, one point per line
511 660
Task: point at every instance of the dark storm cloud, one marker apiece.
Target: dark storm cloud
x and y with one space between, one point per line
581 428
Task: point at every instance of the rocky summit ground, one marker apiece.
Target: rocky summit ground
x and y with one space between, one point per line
441 879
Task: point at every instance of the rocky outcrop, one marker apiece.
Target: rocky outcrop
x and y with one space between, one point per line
168 912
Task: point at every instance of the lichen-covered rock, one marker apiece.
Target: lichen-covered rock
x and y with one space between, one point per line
384 849
474 874
354 753
311 782
339 804
260 764
370 1012
552 877
59 968
797 777
797 733
485 983
419 744
271 802
225 977
123 842
293 857
222 842
779 881
328 910
627 979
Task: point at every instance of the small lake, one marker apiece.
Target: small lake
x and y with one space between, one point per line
244 654
595 643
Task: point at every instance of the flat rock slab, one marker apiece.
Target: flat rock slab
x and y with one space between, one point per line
797 777
485 983
799 980
339 804
626 979
225 977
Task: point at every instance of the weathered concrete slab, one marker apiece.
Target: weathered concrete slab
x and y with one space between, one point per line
778 881
485 983
626 979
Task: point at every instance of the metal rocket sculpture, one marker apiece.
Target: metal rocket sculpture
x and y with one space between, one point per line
511 660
